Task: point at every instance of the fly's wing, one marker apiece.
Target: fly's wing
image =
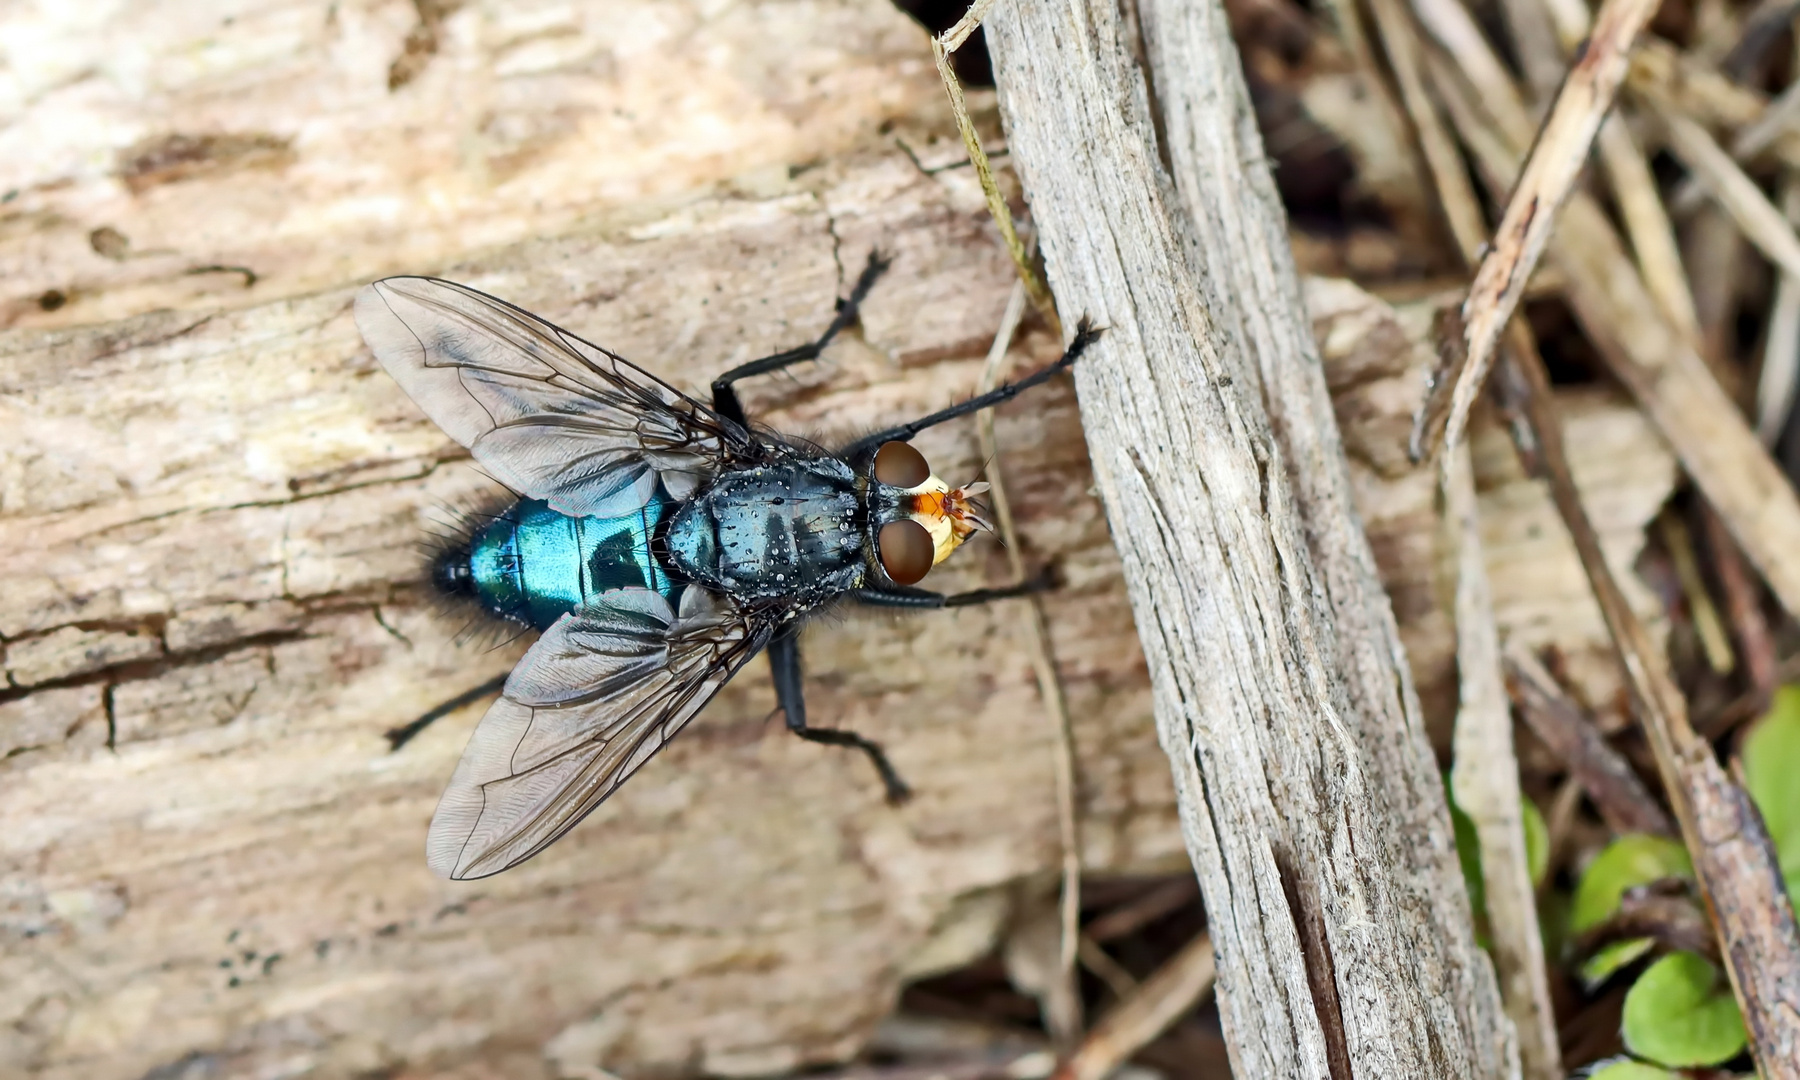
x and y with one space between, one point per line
546 413
600 693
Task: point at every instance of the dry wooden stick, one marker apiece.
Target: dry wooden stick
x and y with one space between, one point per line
1699 91
1143 1014
1544 184
1163 900
1109 971
1455 30
1056 708
1743 602
1623 801
1647 224
1781 351
1666 375
1734 862
1485 774
1779 117
1252 653
1708 626
1534 41
1738 195
941 47
1243 254
1486 769
1443 160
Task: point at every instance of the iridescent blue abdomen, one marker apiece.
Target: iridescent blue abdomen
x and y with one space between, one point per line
533 564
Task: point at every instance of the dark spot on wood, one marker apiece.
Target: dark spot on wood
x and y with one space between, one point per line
1321 969
214 268
110 243
52 299
421 41
168 159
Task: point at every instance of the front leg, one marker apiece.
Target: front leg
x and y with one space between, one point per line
784 665
907 596
725 399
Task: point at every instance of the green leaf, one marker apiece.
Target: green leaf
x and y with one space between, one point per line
1680 1013
1624 1069
1468 851
1631 860
1468 855
1771 764
1537 840
1601 966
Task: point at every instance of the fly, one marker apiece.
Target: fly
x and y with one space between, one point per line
658 544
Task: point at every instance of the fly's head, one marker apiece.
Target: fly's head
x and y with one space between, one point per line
917 519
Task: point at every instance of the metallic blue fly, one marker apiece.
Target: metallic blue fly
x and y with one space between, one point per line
659 544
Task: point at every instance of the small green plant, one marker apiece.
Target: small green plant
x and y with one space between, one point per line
1680 1012
1626 1069
1468 854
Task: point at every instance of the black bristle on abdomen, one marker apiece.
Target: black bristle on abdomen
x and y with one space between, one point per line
449 571
447 568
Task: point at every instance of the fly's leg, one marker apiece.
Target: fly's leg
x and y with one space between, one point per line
784 664
400 736
1085 335
906 596
725 399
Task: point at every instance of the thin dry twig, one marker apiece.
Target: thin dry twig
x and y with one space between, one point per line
1734 862
1163 900
1486 769
1037 636
941 47
1673 384
1109 971
1743 601
1623 801
1647 224
1781 350
1544 184
1139 1017
1708 626
1738 195
1485 775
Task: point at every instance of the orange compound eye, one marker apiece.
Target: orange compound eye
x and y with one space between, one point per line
907 550
897 464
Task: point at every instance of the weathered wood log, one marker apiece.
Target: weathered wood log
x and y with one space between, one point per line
1309 805
209 516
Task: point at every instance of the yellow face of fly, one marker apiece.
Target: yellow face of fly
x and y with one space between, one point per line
947 514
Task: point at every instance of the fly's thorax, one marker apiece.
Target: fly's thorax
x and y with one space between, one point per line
793 530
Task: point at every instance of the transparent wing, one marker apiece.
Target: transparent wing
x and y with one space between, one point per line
546 413
602 691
